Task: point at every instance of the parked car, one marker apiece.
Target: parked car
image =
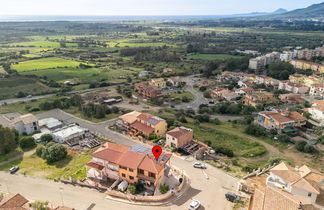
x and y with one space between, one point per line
232 197
194 204
13 169
199 165
160 142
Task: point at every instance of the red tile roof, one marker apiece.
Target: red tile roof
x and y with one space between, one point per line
108 155
95 165
131 159
142 127
150 164
15 202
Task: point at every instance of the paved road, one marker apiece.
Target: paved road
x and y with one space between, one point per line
199 97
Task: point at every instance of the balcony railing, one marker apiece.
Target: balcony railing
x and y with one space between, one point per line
146 178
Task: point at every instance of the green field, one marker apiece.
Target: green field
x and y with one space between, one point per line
44 63
48 44
211 56
183 94
72 166
9 87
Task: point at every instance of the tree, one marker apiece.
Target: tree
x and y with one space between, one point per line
207 94
300 145
309 149
38 205
27 142
8 140
280 70
283 138
46 138
53 152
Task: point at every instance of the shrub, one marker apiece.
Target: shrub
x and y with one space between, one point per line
46 138
27 142
164 189
135 188
53 152
300 145
255 130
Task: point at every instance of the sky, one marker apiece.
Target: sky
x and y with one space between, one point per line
146 7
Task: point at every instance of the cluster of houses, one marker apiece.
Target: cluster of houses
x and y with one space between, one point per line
70 134
261 61
145 124
153 88
287 187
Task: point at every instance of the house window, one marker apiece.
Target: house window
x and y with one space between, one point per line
309 194
173 145
140 171
123 175
122 167
131 177
131 170
151 174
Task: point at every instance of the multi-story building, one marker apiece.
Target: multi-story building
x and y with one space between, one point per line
304 65
132 164
258 98
309 53
179 137
175 81
291 98
280 119
316 90
289 188
293 87
159 82
148 91
317 112
27 124
288 55
261 61
224 93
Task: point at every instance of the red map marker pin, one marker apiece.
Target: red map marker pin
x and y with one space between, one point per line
156 150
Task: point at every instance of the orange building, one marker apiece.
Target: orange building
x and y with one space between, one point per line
132 164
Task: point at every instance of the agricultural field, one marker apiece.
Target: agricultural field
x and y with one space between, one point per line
211 56
44 63
42 44
9 87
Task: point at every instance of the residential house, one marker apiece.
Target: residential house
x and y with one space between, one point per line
159 82
258 98
143 73
316 90
245 83
244 91
179 137
132 164
300 182
123 122
27 124
14 202
148 91
317 113
291 98
166 70
175 81
224 93
279 120
293 87
260 79
147 124
50 123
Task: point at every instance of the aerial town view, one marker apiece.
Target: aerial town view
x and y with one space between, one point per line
162 105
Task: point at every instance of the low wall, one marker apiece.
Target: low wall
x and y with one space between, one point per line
157 198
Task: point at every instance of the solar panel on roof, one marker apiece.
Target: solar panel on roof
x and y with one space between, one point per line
140 148
153 122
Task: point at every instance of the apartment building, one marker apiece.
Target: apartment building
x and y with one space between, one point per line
316 90
148 91
291 98
261 61
27 124
132 164
280 119
258 97
304 65
179 137
309 53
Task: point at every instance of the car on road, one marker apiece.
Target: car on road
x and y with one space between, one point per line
199 165
232 197
29 96
13 169
194 204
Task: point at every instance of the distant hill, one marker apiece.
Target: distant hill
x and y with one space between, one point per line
313 11
256 14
